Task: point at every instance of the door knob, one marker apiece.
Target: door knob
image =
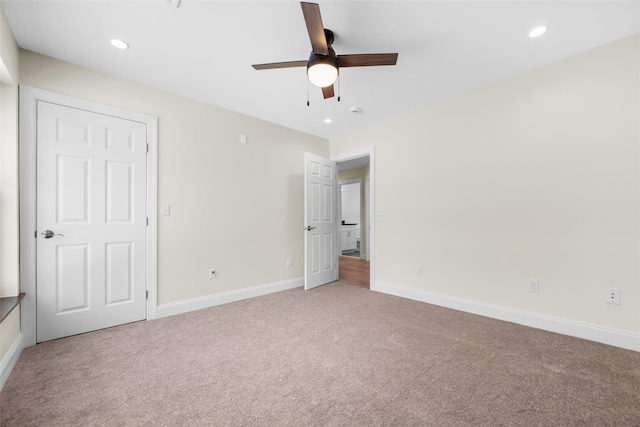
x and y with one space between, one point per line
49 234
309 228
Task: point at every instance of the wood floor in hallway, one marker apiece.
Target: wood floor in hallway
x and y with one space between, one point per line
353 271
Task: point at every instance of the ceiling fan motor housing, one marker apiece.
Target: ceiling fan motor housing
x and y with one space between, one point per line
328 34
323 69
316 58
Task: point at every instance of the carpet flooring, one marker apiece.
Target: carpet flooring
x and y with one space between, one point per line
338 355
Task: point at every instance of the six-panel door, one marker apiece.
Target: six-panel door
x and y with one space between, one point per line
320 218
91 193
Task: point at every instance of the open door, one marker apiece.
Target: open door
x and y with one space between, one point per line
320 239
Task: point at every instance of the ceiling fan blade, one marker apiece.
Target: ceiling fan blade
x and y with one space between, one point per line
367 59
327 92
287 64
311 12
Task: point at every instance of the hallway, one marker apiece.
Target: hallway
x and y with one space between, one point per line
353 271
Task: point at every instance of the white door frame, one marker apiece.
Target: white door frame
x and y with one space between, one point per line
29 98
363 152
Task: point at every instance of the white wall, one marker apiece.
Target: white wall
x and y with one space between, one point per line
9 198
9 278
238 208
8 50
534 177
351 203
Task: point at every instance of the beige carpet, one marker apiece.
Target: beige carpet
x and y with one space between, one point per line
335 356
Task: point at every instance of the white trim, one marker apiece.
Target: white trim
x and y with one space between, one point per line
10 360
29 98
351 181
364 251
610 336
184 306
152 214
27 155
362 152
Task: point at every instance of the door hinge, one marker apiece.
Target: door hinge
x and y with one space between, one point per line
147 148
35 234
147 295
147 221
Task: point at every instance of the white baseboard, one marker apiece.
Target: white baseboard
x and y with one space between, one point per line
192 304
572 328
10 360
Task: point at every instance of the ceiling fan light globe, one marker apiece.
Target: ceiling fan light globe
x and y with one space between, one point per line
322 75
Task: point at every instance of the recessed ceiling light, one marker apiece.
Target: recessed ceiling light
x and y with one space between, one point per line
538 31
328 121
119 44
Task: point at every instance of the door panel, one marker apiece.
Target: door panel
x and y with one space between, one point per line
120 185
328 251
119 271
91 192
320 220
72 178
72 278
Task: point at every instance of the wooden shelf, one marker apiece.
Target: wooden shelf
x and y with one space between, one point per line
7 304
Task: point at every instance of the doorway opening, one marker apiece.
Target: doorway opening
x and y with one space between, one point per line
351 205
355 225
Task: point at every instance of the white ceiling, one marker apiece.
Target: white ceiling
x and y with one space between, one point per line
204 49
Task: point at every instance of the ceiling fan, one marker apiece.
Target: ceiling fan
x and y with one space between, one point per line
323 63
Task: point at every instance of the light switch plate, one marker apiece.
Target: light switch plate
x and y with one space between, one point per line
165 210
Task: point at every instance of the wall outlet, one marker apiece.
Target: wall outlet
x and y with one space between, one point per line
212 273
612 296
420 270
289 262
534 285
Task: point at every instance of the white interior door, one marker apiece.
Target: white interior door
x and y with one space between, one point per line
91 201
320 240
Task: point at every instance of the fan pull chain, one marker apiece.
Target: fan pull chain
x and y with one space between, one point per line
338 87
307 92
